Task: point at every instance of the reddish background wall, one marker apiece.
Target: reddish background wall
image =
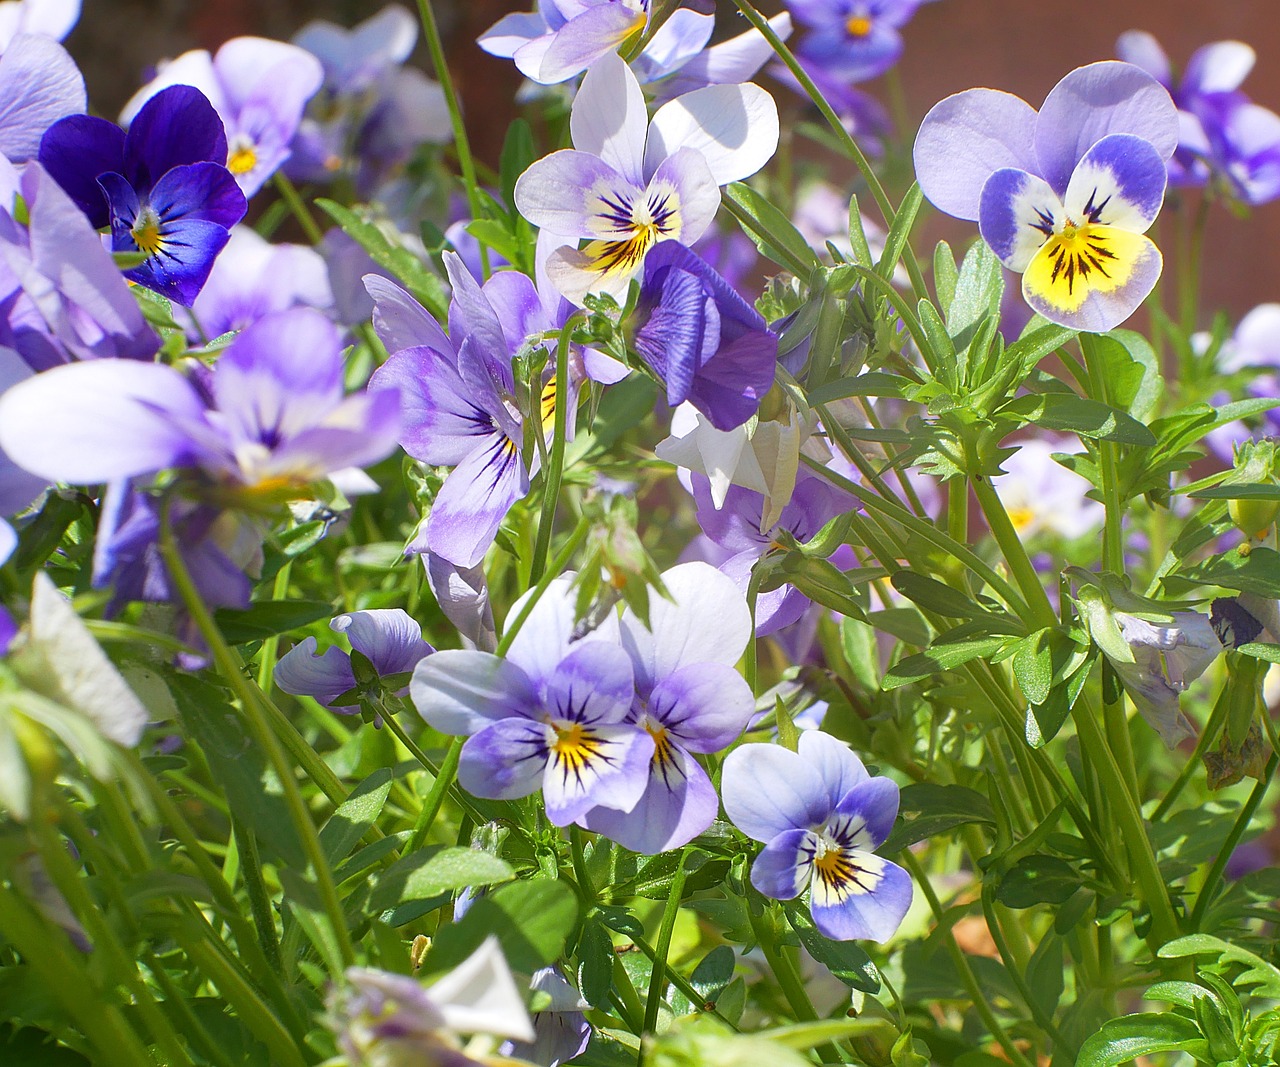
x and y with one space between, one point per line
1023 46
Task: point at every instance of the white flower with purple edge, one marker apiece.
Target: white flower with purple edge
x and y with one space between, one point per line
689 698
562 38
1063 196
629 183
554 715
820 817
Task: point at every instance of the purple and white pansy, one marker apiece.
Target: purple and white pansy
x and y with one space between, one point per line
562 38
553 716
629 183
821 817
1064 196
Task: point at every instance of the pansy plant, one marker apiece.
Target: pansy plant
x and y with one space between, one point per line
1064 196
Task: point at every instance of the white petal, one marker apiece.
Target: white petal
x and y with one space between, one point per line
734 126
609 117
479 996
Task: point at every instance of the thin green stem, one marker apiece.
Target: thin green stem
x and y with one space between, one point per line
435 796
262 735
259 898
557 567
271 646
578 852
1209 888
1015 554
290 195
466 163
961 961
658 978
555 459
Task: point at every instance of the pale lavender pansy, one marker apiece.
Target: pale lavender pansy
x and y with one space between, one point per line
64 298
39 84
689 698
629 183
45 18
1042 496
1243 143
380 1016
388 638
705 343
735 527
1064 196
677 60
1166 657
271 419
553 716
561 1031
252 278
259 89
463 596
821 817
18 488
1253 348
562 38
358 58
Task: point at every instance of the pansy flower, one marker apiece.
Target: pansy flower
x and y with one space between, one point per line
553 716
1064 196
39 84
258 87
561 1031
821 817
853 39
689 698
562 38
162 187
629 183
387 637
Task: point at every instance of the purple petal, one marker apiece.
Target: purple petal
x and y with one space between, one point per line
782 868
966 138
733 127
1220 67
853 913
678 40
565 193
582 41
75 151
460 691
609 117
442 423
768 790
505 760
325 677
511 32
678 804
834 763
730 386
518 307
1119 182
706 706
474 500
671 339
97 420
1143 50
358 432
388 636
865 814
1094 101
39 84
472 318
546 637
177 126
1017 214
185 255
204 191
592 685
738 59
853 58
401 322
463 596
590 766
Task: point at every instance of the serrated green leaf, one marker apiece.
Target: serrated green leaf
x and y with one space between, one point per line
896 240
1122 1040
1077 414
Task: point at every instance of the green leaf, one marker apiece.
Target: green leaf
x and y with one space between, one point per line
1256 971
1045 974
1261 650
1131 370
430 872
872 383
803 1036
926 810
1038 880
936 596
896 240
710 978
1257 572
595 962
424 286
355 816
531 919
940 657
1237 492
1122 1040
1077 414
770 229
945 275
267 618
844 959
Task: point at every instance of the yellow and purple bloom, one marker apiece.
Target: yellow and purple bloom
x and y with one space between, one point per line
553 716
630 183
1064 196
162 186
258 87
689 698
821 817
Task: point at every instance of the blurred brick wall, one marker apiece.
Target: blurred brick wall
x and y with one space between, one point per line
1023 46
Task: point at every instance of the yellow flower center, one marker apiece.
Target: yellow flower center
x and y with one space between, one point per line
857 26
629 229
1021 517
573 748
549 405
146 232
661 742
242 158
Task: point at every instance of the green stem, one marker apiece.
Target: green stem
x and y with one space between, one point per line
555 460
1210 886
461 144
1189 268
683 984
289 194
435 796
554 571
628 998
262 735
577 850
1214 723
259 899
961 961
842 135
1015 553
271 646
658 979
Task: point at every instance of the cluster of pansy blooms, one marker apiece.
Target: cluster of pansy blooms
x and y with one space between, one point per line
626 723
